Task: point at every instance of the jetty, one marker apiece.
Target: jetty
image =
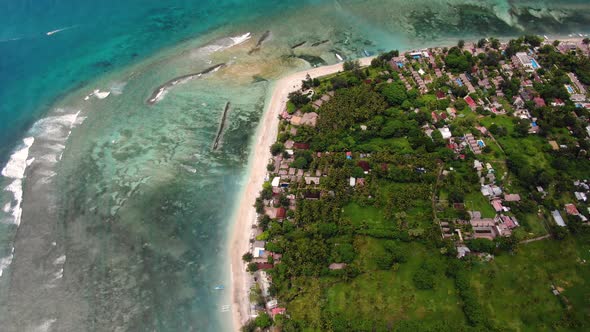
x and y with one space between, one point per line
221 126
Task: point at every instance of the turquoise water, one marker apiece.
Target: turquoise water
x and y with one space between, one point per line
126 205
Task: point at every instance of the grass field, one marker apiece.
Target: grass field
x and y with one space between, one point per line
516 289
389 296
475 201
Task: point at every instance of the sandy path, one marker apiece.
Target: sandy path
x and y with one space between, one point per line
245 214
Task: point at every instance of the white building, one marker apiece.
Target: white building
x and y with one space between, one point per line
445 132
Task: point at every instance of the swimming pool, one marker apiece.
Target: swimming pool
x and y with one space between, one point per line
459 82
535 64
569 88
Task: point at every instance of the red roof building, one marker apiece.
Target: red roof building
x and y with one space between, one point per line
497 204
508 222
571 209
558 102
364 165
264 266
434 117
301 146
539 102
281 213
512 197
440 95
470 102
278 311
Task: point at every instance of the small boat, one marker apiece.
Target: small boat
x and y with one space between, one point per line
219 287
366 53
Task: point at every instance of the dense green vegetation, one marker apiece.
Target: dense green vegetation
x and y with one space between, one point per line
399 274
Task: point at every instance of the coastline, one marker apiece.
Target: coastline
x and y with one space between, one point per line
245 214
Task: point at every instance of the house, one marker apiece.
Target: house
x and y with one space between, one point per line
309 119
539 102
277 311
497 204
337 266
462 251
509 222
295 120
311 180
264 266
554 145
272 304
521 59
557 103
364 165
258 248
452 112
281 213
301 146
434 117
580 196
352 181
477 165
446 133
276 181
512 197
571 209
518 102
470 102
440 95
557 218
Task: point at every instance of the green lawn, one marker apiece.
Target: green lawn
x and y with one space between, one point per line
534 224
475 201
500 120
359 215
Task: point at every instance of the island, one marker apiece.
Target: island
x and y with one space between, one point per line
441 189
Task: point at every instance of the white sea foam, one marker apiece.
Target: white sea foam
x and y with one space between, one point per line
55 128
102 94
10 40
6 261
161 94
241 39
117 88
15 169
60 260
59 274
220 45
46 325
99 94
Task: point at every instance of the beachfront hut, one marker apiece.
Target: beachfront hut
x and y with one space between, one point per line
258 248
276 181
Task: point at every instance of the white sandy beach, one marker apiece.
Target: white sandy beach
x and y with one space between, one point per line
246 214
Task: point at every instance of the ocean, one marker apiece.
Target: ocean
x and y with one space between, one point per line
120 171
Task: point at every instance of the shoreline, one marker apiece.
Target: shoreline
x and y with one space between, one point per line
245 215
